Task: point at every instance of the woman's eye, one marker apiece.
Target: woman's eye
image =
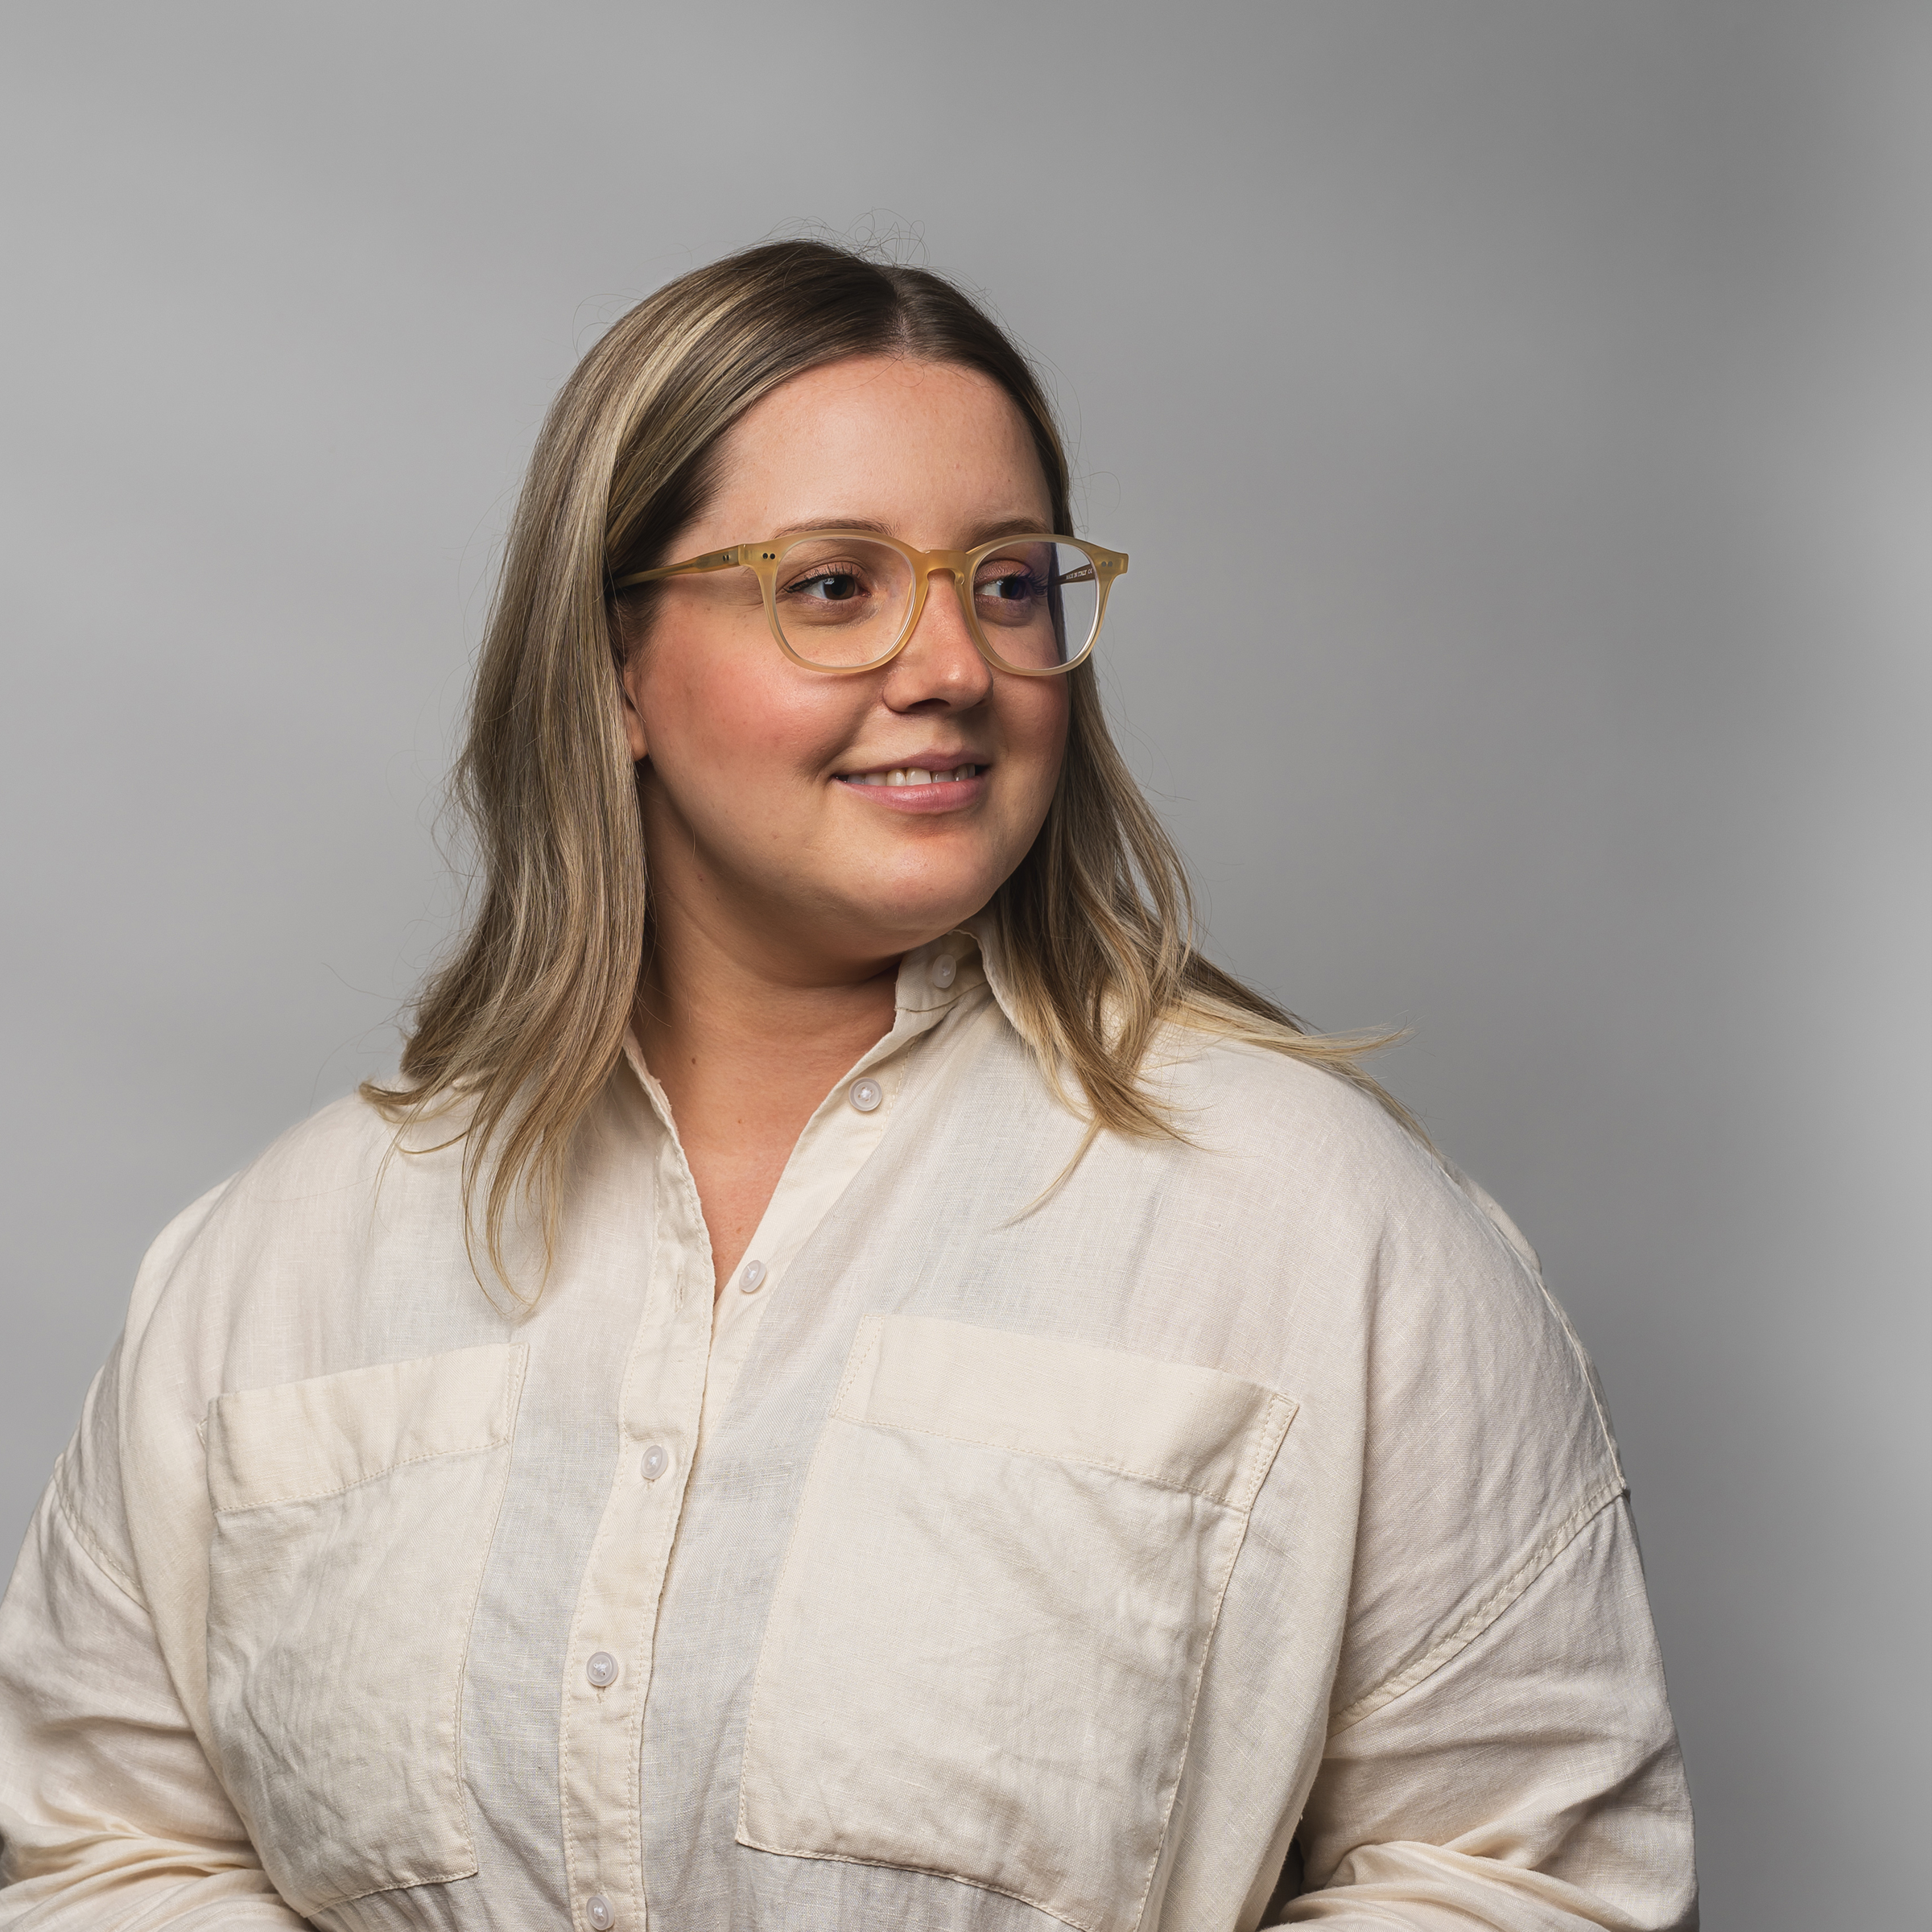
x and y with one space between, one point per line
1010 585
828 586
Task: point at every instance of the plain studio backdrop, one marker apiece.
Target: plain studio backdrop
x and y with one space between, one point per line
1519 417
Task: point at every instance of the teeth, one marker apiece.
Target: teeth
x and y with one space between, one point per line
914 774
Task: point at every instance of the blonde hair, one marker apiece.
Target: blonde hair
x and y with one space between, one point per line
523 1024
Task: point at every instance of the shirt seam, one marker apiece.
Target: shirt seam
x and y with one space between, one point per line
91 1548
1525 1258
1281 1417
375 1475
1282 1409
746 1757
880 1864
518 1372
1225 1501
1485 1613
1589 1375
409 1882
579 1762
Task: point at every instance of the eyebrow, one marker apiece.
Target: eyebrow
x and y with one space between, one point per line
986 533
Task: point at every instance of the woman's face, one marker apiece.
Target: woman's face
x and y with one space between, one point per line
758 818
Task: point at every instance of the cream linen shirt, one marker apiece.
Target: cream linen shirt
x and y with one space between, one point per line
988 1558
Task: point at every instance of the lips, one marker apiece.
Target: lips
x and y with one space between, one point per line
911 774
941 788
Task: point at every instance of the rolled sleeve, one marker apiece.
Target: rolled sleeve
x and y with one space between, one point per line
1532 1781
111 1819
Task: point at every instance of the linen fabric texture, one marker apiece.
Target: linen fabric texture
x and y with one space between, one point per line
1001 1556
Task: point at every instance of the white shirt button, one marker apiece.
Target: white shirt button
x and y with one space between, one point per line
602 1669
597 1910
942 971
751 1277
655 1462
866 1094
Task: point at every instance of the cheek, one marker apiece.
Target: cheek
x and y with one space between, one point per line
1035 727
738 722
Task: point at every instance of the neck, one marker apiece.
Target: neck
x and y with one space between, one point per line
746 1039
715 1013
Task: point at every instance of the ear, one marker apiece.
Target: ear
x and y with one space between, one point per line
633 719
627 659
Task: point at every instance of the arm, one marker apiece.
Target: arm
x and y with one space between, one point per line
111 1819
1531 1783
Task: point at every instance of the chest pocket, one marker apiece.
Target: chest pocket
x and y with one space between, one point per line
353 1515
983 1654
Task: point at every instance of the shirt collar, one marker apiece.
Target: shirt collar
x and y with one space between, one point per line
978 958
932 979
987 935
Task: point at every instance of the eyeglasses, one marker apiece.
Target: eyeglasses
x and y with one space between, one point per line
846 600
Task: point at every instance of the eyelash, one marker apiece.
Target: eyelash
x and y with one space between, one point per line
834 568
818 573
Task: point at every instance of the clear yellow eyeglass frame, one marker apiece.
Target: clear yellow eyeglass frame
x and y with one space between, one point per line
764 558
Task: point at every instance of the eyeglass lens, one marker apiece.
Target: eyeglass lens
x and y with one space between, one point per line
843 602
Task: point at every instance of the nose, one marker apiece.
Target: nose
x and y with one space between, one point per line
940 669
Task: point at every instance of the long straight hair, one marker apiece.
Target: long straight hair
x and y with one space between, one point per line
521 1027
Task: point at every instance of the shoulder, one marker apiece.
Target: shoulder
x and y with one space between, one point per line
339 1149
1371 1180
1251 1090
342 1144
311 1192
1347 1212
1289 1126
1273 1152
1408 1308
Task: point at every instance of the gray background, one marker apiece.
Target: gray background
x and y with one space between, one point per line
1518 415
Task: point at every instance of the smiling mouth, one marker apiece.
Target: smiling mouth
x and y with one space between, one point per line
910 774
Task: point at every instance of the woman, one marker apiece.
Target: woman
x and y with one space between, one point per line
854 1381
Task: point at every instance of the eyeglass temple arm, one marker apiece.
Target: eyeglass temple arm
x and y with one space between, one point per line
1101 566
712 560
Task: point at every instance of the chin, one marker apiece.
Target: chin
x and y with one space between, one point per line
903 919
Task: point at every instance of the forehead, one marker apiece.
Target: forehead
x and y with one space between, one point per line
883 437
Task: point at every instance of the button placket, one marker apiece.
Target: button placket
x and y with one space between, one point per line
685 1355
662 1390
